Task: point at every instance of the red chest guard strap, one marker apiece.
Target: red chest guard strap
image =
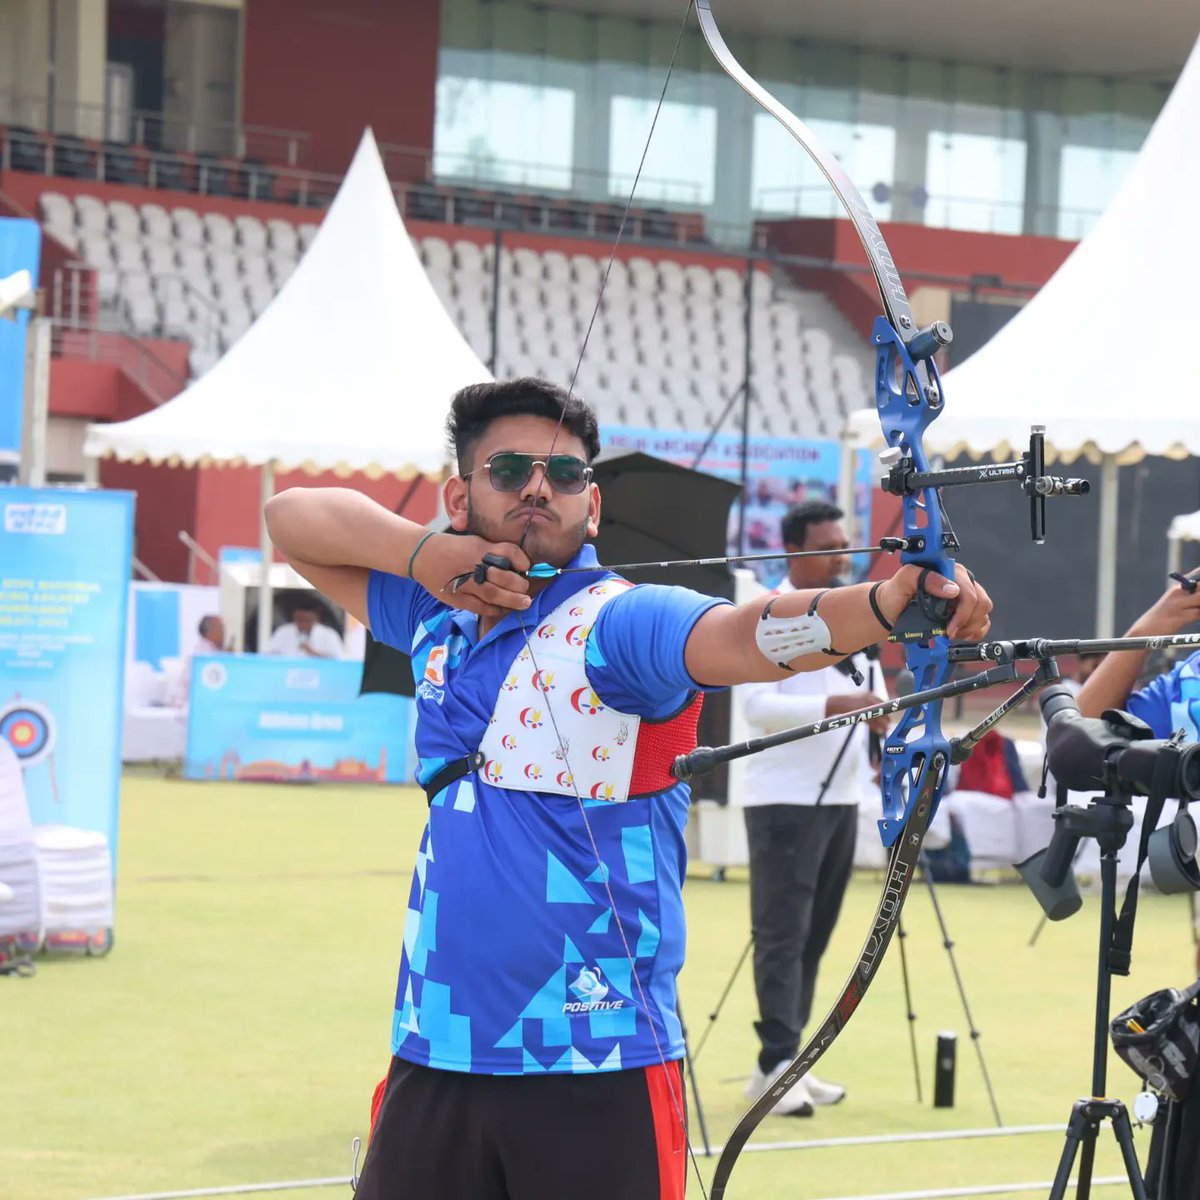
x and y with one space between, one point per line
658 745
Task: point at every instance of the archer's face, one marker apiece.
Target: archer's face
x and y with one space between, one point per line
553 525
821 572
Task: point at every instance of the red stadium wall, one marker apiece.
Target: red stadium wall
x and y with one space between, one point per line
166 503
918 251
331 68
227 499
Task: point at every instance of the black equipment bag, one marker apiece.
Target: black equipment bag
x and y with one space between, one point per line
1159 1038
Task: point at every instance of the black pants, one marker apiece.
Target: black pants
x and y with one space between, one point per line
801 857
449 1135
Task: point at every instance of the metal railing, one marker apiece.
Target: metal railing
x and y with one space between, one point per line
74 301
934 209
154 129
157 379
445 203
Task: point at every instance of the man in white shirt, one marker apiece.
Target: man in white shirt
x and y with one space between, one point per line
212 637
210 640
305 636
802 818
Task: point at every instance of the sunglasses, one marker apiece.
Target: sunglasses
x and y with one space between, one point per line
510 471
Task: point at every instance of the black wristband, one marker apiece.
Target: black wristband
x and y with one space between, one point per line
876 609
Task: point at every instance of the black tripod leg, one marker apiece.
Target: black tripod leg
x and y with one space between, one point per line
1079 1129
948 943
902 934
1124 1135
716 1012
1087 1160
697 1107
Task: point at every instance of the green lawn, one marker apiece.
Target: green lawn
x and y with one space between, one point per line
237 1029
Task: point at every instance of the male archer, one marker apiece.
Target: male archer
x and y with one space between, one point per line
535 1014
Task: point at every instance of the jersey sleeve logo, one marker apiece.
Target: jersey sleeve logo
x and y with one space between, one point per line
435 666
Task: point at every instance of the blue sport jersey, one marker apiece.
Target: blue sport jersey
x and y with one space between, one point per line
1172 701
513 959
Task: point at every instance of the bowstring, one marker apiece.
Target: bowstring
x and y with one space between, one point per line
676 1094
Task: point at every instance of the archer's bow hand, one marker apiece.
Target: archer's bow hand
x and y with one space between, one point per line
1172 612
971 606
460 570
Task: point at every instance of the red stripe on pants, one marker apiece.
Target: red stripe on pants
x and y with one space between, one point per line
668 1108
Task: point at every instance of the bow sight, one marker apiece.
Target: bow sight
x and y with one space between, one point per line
903 479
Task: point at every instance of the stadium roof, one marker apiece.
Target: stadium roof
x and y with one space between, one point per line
1143 43
350 368
1104 355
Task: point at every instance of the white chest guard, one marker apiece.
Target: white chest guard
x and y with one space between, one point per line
591 750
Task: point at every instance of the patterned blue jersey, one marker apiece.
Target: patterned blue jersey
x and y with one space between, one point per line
514 961
1172 701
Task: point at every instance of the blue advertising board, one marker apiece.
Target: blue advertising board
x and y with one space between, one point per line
20 248
64 584
265 718
780 472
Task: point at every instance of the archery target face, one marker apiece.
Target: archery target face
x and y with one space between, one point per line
29 729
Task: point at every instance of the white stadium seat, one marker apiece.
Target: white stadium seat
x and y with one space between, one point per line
281 236
188 227
251 234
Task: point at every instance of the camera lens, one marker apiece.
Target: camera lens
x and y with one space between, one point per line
1189 772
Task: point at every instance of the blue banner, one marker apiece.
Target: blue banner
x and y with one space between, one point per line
64 582
262 718
20 247
780 472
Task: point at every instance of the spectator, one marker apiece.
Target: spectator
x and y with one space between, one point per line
801 810
212 636
304 635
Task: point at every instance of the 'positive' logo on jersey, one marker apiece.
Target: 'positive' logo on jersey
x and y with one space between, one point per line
591 992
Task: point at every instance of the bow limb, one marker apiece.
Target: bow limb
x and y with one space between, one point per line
908 397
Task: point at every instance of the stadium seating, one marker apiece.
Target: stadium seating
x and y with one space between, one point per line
665 348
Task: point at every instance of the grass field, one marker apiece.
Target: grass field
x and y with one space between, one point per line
237 1029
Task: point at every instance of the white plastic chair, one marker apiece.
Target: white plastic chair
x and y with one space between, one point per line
219 231
189 229
281 236
91 214
251 234
156 223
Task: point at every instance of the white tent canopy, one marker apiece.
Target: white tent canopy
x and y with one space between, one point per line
1102 356
349 368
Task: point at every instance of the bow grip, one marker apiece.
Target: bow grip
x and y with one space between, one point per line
924 617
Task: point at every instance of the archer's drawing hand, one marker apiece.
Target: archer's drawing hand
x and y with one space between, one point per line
970 618
1173 611
445 568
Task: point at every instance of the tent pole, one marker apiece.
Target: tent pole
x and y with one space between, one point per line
1106 581
267 479
845 487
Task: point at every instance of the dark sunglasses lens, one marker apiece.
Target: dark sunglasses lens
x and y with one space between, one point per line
567 474
510 472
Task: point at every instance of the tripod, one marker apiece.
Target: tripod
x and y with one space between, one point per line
1108 820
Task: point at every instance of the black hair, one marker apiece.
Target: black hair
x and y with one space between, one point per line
793 529
203 627
475 407
304 604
